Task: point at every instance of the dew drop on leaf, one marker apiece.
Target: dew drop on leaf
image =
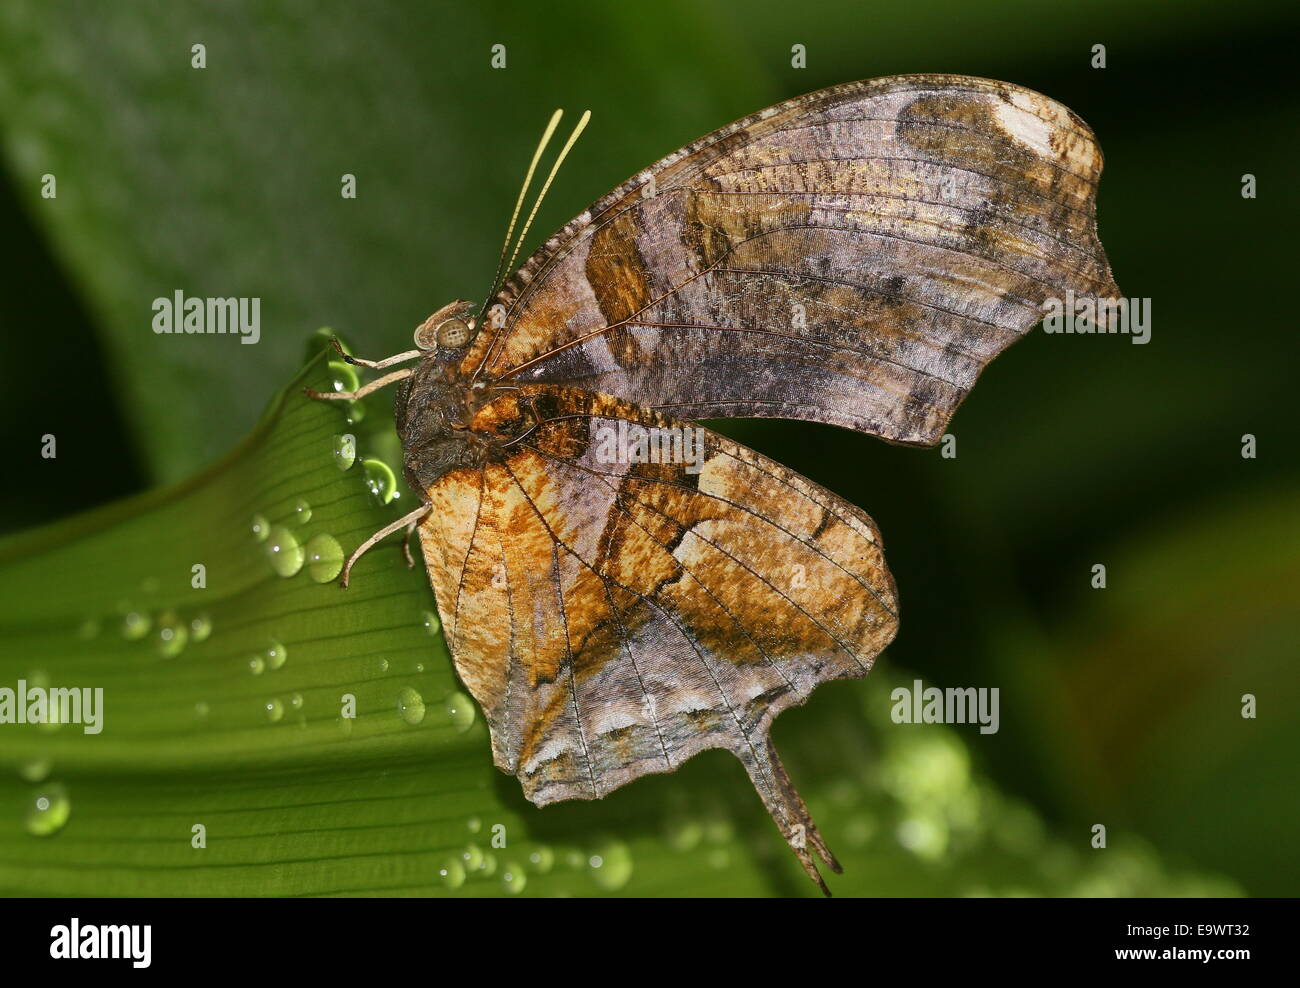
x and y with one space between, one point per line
276 655
452 873
172 636
47 811
324 558
135 625
513 877
345 451
200 627
460 711
260 528
284 551
611 865
380 479
410 705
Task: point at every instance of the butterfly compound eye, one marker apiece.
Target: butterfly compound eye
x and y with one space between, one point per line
454 333
451 327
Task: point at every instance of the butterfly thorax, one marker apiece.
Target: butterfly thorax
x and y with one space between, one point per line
434 410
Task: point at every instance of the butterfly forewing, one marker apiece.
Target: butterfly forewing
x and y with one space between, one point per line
854 256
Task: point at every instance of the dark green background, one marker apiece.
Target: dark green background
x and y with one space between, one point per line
1119 705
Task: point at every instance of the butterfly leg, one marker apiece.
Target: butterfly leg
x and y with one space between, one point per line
397 358
407 521
375 385
406 541
787 808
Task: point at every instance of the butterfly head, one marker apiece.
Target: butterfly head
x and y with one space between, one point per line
449 330
435 404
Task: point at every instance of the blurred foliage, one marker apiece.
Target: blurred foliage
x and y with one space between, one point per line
1119 706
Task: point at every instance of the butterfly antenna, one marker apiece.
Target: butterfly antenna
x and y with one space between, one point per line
519 203
564 152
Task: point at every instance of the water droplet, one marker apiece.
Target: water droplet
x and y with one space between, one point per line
383 665
611 865
541 859
324 558
89 629
276 655
47 811
472 856
345 451
356 411
274 710
256 665
295 701
301 512
171 636
410 705
380 479
474 824
513 877
260 528
431 623
35 769
201 710
284 551
460 710
135 625
342 376
452 873
200 627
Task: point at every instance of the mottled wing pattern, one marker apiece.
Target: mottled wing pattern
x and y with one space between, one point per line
615 618
854 256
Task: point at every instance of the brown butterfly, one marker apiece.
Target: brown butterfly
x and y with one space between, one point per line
621 589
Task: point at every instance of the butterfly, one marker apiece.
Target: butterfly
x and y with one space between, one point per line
622 589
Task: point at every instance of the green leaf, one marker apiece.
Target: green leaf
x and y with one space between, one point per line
222 711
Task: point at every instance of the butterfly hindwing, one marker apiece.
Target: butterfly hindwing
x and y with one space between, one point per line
615 616
854 256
